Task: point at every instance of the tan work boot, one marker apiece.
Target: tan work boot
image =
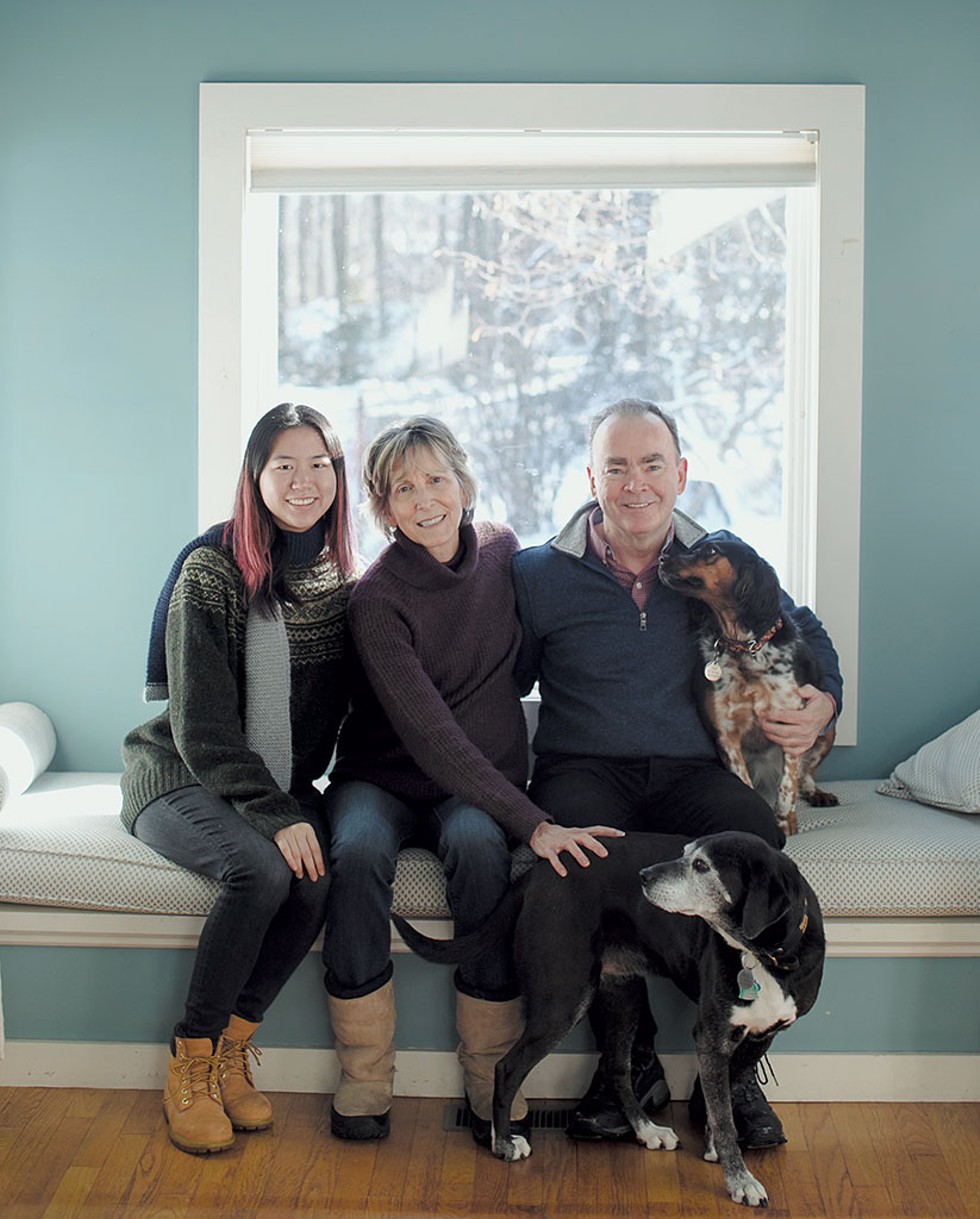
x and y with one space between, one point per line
192 1099
364 1039
487 1031
245 1106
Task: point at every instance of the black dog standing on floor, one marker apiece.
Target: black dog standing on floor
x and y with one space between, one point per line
751 958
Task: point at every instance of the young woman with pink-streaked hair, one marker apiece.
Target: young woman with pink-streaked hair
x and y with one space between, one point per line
255 666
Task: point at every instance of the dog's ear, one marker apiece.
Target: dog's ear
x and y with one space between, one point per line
765 904
699 613
775 898
756 592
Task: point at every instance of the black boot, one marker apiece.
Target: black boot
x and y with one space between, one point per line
598 1115
756 1124
621 1012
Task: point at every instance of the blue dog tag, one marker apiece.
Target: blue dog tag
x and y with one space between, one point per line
748 987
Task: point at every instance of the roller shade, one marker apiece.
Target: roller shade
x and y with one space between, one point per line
333 161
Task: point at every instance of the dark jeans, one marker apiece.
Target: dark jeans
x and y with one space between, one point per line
264 919
368 827
656 795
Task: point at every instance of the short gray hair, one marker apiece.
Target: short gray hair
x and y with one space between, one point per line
394 443
634 407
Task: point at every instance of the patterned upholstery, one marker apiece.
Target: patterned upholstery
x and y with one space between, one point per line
62 844
874 856
944 772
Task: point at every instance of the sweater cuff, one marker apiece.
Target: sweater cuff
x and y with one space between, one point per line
269 822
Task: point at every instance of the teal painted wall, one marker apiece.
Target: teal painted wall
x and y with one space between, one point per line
882 1006
98 205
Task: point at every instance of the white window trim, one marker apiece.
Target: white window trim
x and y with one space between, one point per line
836 112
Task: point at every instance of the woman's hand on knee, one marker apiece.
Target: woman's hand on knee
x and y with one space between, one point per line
300 848
549 840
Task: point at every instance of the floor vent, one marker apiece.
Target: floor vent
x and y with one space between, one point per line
554 1117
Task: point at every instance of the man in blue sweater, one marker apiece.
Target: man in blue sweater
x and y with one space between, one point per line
619 738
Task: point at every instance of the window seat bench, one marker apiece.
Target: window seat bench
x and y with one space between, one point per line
896 880
62 846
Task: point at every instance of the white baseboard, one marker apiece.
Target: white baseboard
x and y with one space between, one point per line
802 1077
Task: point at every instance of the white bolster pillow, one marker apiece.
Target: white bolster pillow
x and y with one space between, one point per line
27 745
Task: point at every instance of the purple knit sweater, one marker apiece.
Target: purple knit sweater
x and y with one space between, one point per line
439 713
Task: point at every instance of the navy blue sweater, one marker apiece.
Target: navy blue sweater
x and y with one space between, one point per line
613 682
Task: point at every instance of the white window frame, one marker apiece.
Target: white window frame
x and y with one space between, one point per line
826 479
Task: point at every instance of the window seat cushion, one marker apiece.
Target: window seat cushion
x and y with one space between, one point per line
62 844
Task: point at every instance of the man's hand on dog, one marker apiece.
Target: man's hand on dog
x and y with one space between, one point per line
549 840
795 730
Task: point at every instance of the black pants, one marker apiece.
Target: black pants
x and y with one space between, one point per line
655 795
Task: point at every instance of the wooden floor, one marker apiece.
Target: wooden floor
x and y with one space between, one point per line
67 1153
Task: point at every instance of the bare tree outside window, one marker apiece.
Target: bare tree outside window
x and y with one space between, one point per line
514 315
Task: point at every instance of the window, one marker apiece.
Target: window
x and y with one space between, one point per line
697 244
514 314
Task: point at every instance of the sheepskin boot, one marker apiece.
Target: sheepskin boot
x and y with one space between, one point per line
487 1031
246 1107
364 1038
192 1098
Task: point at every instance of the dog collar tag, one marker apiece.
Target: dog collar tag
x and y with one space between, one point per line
712 670
748 987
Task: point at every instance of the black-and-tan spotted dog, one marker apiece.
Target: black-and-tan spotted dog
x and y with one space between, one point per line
754 662
751 958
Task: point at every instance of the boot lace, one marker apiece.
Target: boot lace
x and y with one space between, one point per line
199 1077
764 1071
746 1089
233 1059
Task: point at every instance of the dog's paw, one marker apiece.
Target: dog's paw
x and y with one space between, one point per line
821 799
657 1138
515 1148
747 1191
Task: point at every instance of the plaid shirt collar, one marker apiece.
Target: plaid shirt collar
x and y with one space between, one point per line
604 552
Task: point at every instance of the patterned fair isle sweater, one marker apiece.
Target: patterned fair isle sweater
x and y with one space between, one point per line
440 714
200 737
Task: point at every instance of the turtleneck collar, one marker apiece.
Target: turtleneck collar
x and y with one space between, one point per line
416 566
304 547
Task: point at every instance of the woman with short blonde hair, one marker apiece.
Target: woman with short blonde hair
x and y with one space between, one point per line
388 450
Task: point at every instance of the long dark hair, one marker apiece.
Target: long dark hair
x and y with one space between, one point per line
256 541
